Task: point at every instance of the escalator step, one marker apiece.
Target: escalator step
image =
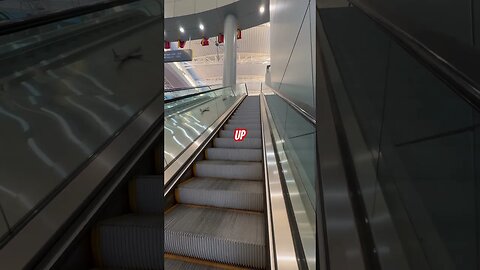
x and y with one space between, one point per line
226 193
234 126
146 194
226 236
171 264
233 154
129 242
242 170
245 117
251 109
252 133
248 143
244 122
249 114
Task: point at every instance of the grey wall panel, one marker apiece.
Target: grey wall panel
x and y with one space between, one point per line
419 104
361 50
285 20
297 83
292 64
447 27
451 18
441 172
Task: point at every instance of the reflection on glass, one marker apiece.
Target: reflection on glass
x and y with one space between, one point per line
64 96
420 138
187 118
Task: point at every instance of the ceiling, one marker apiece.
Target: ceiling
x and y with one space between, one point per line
175 8
253 55
247 12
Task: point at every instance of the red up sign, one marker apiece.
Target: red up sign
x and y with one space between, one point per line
239 134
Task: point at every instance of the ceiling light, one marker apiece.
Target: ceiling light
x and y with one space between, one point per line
201 27
262 9
182 30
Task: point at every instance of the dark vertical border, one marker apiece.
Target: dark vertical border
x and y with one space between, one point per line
323 257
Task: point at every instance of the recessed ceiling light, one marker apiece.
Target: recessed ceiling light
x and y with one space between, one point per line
262 9
201 26
182 30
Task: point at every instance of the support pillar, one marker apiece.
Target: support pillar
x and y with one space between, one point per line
230 52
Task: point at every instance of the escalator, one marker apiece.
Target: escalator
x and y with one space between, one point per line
236 204
85 144
219 215
133 241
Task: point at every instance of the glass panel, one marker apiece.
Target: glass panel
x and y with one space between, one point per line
420 139
18 10
67 92
176 93
187 118
295 139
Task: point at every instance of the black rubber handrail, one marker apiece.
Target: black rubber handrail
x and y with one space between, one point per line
32 22
194 94
187 88
462 84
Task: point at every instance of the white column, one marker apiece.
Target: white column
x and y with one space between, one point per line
230 52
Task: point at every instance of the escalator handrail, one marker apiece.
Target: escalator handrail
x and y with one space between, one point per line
462 84
188 88
204 92
17 26
194 94
309 117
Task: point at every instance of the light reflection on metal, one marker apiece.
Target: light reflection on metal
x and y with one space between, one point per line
92 79
40 154
25 126
104 125
68 131
34 91
64 81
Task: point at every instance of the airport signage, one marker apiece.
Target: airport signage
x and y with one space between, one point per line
177 56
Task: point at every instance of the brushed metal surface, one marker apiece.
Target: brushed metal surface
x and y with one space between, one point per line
281 240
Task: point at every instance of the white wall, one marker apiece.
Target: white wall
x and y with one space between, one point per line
292 47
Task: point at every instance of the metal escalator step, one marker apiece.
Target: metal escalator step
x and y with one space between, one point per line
171 264
244 121
247 109
129 242
247 112
242 170
252 133
251 143
221 235
225 193
246 117
234 126
233 154
146 194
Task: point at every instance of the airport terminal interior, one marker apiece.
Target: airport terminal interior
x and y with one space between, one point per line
239 134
